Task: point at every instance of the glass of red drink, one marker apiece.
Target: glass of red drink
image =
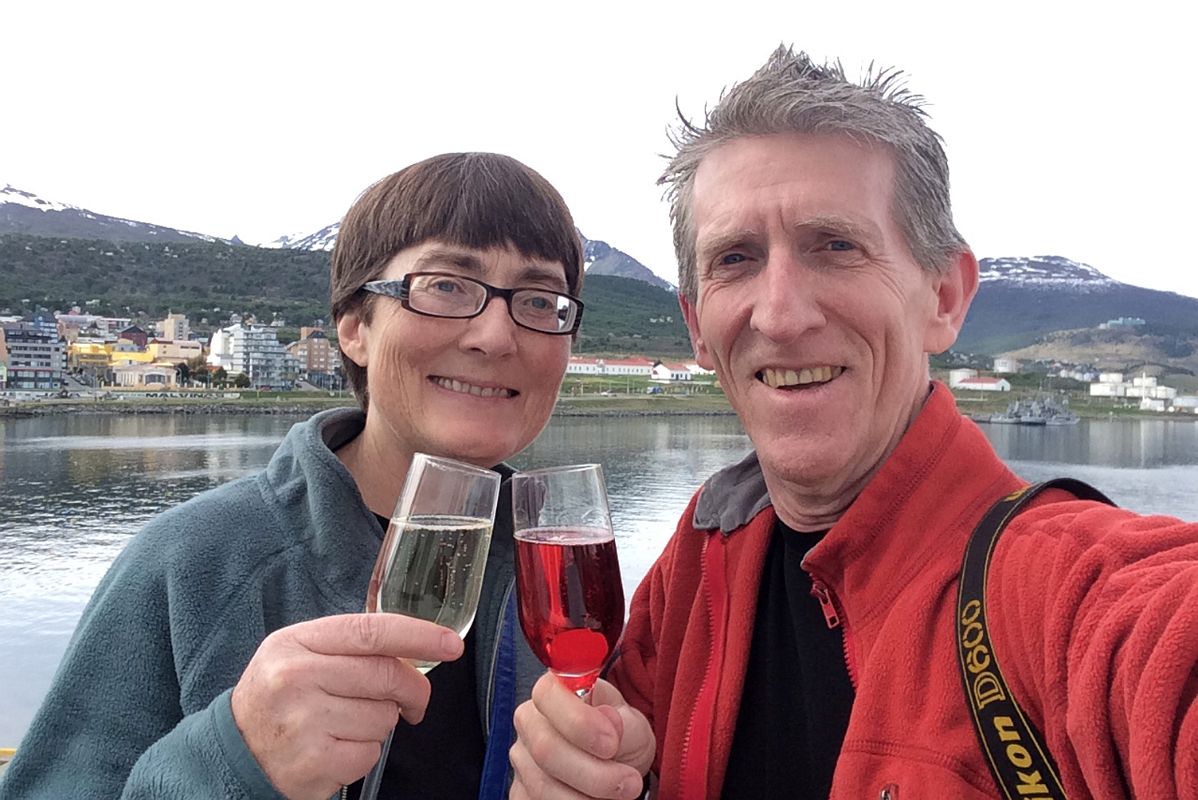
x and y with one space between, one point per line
571 599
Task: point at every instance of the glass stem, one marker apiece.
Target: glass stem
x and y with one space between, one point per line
374 779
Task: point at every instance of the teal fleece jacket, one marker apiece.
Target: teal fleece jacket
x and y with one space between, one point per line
140 705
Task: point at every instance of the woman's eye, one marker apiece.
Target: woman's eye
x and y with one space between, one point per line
446 286
539 302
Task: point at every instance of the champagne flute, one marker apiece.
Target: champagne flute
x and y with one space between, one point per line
433 556
571 598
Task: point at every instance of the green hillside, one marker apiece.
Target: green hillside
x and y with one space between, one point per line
207 281
202 280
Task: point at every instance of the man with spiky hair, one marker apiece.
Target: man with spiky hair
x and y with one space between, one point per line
813 628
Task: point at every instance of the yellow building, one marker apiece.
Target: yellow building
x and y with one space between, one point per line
175 351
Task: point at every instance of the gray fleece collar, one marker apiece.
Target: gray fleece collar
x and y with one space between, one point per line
732 496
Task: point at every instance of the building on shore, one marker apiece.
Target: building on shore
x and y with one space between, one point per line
1144 387
583 365
34 354
984 384
317 361
1005 365
253 351
174 328
670 372
145 376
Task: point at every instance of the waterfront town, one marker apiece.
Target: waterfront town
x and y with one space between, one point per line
53 354
75 354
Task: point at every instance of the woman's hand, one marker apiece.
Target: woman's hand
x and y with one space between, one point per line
319 697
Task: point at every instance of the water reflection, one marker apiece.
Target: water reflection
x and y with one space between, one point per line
73 489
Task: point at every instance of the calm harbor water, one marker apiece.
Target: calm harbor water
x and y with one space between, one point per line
73 489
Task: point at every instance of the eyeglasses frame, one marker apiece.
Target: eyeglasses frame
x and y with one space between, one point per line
403 295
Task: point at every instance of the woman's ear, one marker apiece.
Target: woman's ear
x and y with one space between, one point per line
351 336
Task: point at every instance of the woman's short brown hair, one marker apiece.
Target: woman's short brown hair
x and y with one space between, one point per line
476 200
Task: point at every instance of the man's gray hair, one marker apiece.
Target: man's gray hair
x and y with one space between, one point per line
790 94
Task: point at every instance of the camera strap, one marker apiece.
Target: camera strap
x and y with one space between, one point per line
1014 749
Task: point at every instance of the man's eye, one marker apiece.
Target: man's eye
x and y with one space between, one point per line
732 258
840 245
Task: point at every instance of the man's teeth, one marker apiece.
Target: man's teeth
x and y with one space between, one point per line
469 388
777 378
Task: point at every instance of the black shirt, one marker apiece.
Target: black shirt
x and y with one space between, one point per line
442 757
797 697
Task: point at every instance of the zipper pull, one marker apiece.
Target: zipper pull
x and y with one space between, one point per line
820 592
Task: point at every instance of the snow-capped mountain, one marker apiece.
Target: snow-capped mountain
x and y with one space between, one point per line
599 258
1044 272
25 212
323 239
1022 299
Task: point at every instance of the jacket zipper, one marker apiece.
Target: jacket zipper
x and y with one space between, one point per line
688 781
832 616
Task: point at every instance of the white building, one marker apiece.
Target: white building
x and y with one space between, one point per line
985 384
584 366
1110 377
957 375
1004 365
580 365
663 372
1150 404
1145 387
251 351
1106 389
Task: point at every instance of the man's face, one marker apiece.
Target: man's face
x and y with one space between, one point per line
810 306
478 389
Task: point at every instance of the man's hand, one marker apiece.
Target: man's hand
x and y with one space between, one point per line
566 748
318 698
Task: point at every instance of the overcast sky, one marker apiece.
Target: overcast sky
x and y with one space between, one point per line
1068 128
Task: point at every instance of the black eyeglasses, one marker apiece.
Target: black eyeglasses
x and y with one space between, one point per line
443 294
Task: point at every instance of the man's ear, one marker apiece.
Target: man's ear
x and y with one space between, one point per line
690 314
955 289
351 336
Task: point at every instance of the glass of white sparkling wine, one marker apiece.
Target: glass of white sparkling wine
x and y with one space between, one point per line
432 559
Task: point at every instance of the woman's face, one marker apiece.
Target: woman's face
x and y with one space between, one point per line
479 389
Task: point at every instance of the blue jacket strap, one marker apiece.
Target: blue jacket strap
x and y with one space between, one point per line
502 731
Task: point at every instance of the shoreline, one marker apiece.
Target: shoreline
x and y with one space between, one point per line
631 406
708 405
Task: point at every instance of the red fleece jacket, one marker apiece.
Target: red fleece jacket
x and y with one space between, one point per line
1093 613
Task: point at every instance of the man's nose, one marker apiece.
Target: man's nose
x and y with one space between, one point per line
787 301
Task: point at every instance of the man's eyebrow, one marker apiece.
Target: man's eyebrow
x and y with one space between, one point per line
724 240
838 224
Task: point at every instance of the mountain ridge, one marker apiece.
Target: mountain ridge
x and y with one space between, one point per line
1021 299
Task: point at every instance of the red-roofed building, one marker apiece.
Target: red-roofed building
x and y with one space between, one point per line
664 372
984 384
581 365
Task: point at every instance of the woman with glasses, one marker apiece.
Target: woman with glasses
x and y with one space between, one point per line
223 655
